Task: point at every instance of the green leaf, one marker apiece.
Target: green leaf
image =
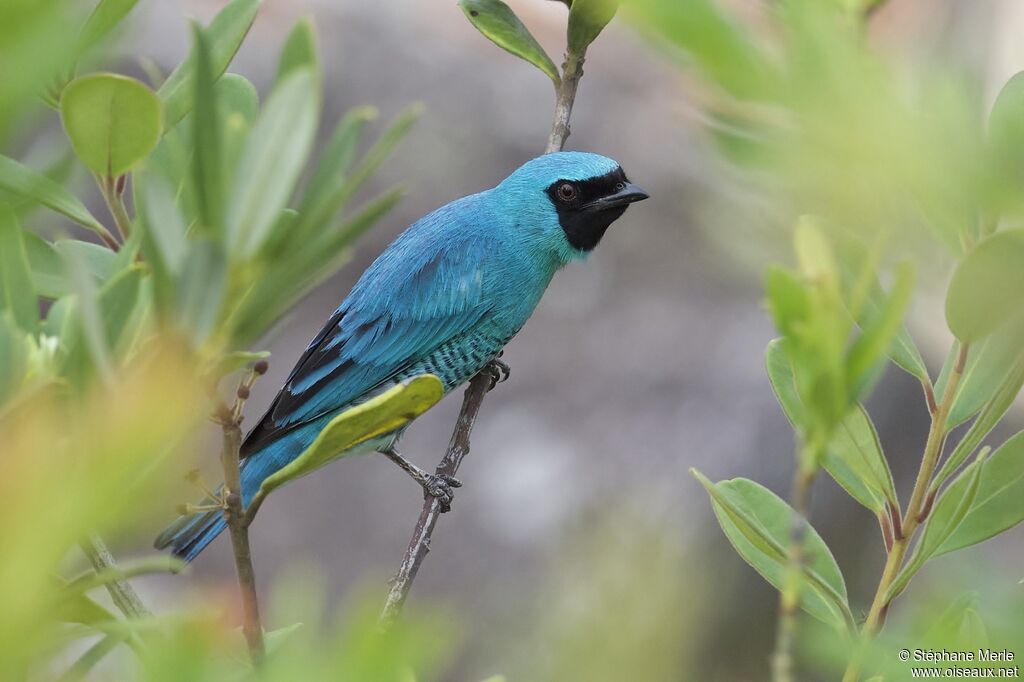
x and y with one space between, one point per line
977 301
880 331
117 300
13 356
234 361
329 175
17 293
988 363
336 195
299 50
236 95
382 414
587 18
500 25
947 515
200 289
98 261
997 505
225 34
105 16
853 456
113 121
273 159
1006 393
36 187
207 176
757 523
1006 129
47 268
163 222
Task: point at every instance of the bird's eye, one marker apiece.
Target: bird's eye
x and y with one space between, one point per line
619 186
566 191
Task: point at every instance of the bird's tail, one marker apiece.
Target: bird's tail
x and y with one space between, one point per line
191 533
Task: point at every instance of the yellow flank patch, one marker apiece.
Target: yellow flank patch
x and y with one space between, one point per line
378 416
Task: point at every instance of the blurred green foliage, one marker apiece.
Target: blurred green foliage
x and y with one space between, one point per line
876 163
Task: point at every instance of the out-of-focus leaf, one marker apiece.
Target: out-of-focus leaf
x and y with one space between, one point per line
879 333
337 155
988 364
854 456
201 288
207 177
163 222
997 505
1006 392
225 33
27 183
117 300
48 276
13 354
238 106
106 15
587 18
238 359
337 195
1006 129
272 297
98 261
276 638
273 158
500 25
76 607
380 415
17 292
757 523
977 302
299 50
113 121
946 517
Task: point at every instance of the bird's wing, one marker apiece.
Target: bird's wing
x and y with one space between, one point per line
422 291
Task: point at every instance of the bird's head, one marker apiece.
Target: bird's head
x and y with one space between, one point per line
567 200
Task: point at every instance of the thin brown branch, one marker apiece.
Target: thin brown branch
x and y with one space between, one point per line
124 596
234 513
789 599
565 96
419 546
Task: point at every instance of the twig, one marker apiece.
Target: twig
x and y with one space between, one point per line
916 514
121 592
565 95
112 190
789 600
458 448
231 421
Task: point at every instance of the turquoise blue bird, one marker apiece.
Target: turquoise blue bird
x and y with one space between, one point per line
444 298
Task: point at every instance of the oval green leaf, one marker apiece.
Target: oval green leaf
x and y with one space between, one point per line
587 18
113 121
299 50
997 506
501 26
757 523
977 302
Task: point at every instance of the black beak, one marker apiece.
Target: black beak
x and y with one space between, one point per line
627 194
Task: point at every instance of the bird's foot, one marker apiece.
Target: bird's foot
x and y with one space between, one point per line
499 371
440 487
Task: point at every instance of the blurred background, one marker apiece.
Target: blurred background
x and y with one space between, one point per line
579 524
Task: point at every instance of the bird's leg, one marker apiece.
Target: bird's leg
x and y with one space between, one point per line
436 485
499 371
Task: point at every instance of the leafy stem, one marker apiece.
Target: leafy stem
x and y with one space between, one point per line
112 190
917 512
565 96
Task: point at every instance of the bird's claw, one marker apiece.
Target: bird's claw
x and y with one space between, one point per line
440 487
499 371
